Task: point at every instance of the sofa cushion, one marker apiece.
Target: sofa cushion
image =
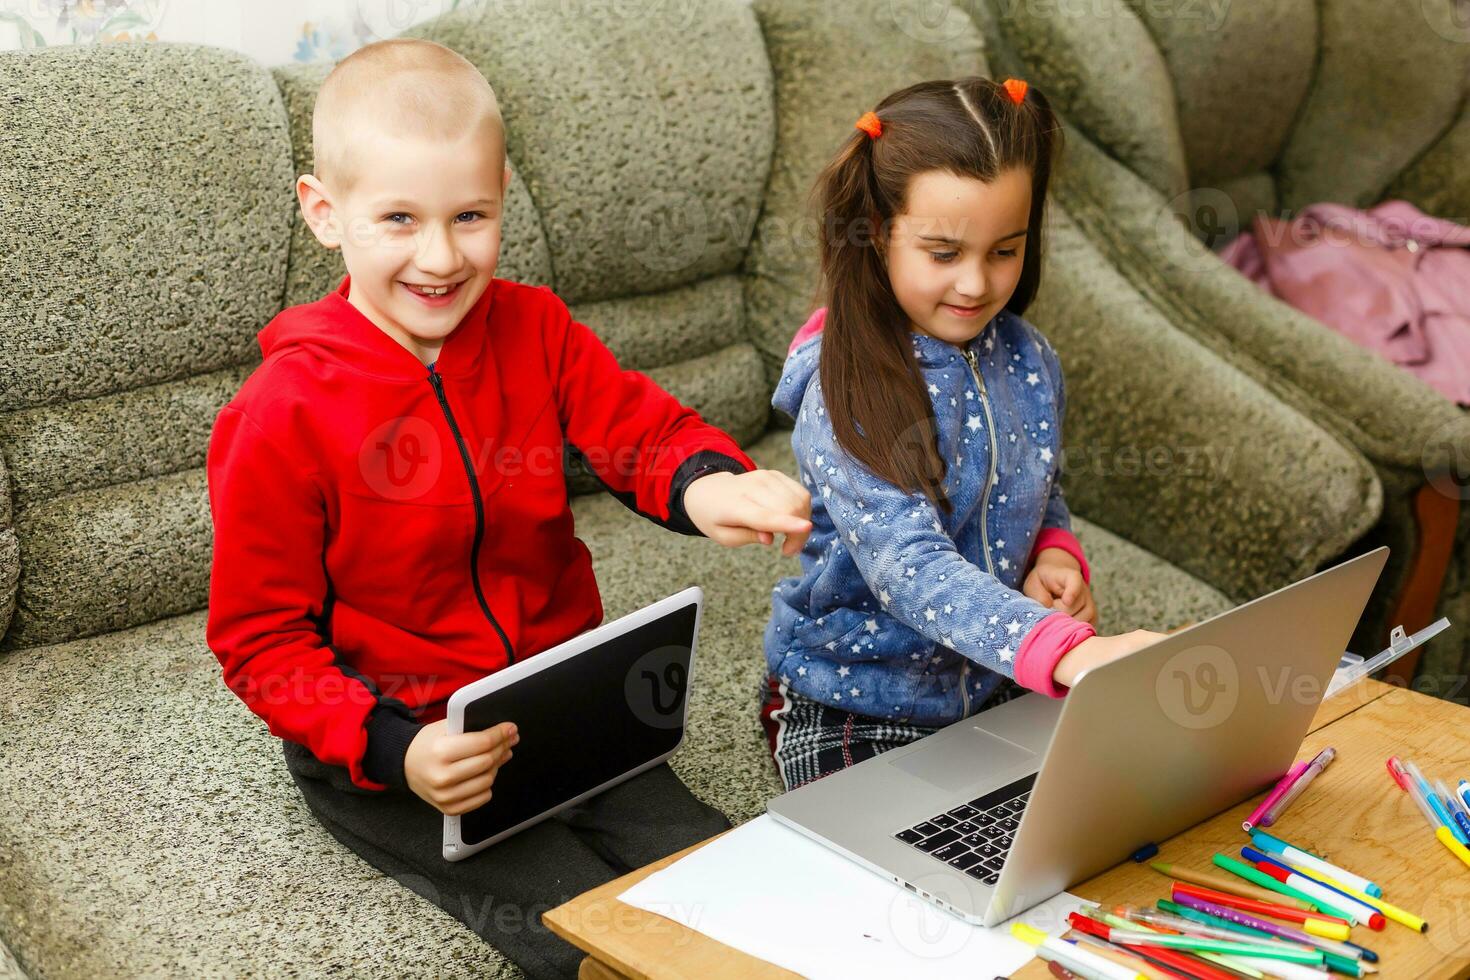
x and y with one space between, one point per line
105 559
111 506
1075 53
144 227
125 753
1239 73
644 141
1344 146
1175 444
145 198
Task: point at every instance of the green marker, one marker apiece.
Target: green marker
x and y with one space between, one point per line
1334 961
1242 870
1311 957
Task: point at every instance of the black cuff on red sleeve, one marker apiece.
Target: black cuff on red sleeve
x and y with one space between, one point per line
702 463
389 731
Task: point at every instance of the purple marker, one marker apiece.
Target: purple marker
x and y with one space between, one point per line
1281 932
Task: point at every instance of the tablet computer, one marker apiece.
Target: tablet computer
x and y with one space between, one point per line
596 710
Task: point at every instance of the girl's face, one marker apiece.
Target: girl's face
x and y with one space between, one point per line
955 253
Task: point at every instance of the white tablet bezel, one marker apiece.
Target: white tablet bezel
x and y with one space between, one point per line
455 849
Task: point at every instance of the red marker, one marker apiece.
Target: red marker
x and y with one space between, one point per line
1302 883
1188 965
1252 905
1396 770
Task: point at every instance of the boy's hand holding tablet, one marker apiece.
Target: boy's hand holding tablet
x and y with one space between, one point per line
454 773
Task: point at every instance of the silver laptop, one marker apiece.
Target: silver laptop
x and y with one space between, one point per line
996 813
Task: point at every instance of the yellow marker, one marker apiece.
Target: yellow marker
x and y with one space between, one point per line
1325 929
1389 911
1074 958
1448 840
1029 935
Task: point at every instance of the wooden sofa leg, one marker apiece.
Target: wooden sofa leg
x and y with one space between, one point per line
1436 515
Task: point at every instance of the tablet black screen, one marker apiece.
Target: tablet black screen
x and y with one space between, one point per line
586 720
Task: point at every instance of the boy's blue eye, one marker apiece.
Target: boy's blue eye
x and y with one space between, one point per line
943 256
399 214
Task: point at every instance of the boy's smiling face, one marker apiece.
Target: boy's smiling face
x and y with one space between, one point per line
420 214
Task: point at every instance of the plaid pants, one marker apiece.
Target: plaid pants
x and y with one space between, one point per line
809 739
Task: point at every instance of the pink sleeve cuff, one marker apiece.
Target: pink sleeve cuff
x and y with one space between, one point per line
1057 537
1046 644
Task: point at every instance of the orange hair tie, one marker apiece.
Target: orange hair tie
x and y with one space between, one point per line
1016 89
869 123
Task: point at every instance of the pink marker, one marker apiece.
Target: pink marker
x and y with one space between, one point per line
1276 793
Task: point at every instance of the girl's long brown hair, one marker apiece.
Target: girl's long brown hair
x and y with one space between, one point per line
880 409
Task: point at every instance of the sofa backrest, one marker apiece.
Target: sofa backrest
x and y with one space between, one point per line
144 215
1274 103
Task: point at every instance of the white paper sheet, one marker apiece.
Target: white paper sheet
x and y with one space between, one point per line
768 891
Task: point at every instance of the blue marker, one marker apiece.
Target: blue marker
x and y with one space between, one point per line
1253 855
1286 851
1435 803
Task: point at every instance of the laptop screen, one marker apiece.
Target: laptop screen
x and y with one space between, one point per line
586 721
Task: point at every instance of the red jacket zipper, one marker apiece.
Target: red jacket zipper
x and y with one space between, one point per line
469 469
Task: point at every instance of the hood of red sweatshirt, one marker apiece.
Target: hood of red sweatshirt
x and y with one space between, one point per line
335 330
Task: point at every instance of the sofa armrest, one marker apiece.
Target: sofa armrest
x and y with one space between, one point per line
1394 419
1179 451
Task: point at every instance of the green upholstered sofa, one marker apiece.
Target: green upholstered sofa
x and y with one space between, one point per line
663 153
1187 119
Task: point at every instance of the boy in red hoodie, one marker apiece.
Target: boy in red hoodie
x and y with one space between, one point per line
391 517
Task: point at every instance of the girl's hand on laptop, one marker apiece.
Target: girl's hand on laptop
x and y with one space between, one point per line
1097 650
736 509
453 773
1056 582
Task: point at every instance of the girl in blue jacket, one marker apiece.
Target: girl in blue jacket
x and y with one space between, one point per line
941 576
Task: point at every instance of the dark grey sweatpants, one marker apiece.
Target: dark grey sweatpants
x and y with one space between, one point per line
501 892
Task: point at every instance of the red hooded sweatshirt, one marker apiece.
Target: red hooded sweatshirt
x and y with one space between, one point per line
385 533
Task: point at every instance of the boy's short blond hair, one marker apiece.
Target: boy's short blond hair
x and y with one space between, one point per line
400 87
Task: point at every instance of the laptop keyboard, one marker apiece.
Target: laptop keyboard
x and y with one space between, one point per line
974 837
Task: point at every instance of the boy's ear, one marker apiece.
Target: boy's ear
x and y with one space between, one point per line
505 180
316 208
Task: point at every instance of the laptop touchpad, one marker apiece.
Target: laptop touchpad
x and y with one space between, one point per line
961 762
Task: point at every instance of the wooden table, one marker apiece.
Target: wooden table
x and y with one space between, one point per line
1353 815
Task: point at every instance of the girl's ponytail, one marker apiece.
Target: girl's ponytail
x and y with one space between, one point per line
875 397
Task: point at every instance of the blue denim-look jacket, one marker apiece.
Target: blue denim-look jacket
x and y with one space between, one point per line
902 612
